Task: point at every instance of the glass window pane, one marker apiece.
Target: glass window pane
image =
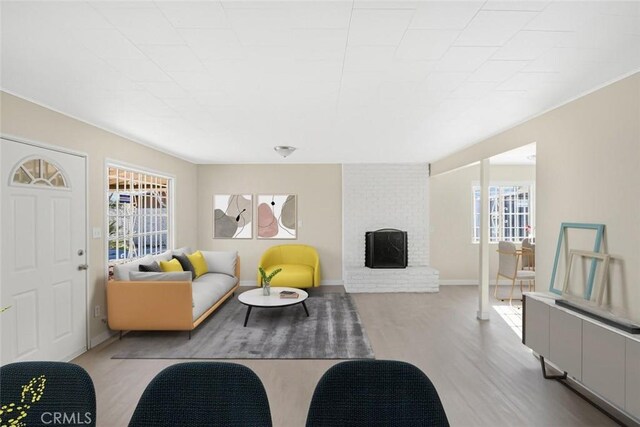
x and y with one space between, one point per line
21 177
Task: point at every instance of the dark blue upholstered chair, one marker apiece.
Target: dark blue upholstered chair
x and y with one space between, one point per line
203 394
46 393
375 393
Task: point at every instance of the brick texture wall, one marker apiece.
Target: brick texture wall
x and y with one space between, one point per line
379 196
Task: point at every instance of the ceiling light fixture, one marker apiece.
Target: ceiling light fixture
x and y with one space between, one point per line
284 150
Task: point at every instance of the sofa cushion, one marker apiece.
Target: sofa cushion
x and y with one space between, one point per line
164 256
154 267
121 271
294 275
208 289
148 276
199 264
173 265
185 263
183 250
221 261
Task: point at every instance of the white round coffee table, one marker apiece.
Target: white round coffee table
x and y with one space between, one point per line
254 298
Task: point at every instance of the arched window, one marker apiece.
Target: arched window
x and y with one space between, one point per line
38 171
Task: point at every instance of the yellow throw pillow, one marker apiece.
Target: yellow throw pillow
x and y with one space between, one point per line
173 265
199 263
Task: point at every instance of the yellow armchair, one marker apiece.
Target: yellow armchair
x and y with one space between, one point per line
300 266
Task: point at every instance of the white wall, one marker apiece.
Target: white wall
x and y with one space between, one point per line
452 252
26 120
319 192
587 170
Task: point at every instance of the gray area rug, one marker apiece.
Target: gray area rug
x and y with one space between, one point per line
333 330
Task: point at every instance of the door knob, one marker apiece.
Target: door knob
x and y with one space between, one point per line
83 267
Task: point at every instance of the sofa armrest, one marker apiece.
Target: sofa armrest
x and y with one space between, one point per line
149 305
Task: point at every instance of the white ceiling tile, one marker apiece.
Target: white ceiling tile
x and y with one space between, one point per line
259 36
143 25
497 71
533 5
466 59
563 16
320 15
173 57
165 90
378 27
439 81
214 43
193 81
138 70
107 43
271 19
72 15
425 44
194 14
528 81
319 44
493 28
368 58
559 59
529 45
473 90
444 15
146 102
386 4
409 71
120 4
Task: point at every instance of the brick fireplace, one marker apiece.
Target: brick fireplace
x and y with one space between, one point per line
379 196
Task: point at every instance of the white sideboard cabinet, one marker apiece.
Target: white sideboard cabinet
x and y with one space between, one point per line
603 359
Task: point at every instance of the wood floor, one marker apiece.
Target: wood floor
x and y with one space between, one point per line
484 375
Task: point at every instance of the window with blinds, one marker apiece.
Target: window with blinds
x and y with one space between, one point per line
510 213
138 213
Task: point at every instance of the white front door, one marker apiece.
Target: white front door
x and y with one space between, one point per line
43 253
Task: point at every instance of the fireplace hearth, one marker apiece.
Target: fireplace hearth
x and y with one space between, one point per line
386 248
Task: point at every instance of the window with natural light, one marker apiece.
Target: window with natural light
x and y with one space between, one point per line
510 213
138 213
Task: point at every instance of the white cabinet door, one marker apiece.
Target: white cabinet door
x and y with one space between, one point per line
603 362
632 404
565 342
536 326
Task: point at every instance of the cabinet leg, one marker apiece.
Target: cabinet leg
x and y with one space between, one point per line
550 377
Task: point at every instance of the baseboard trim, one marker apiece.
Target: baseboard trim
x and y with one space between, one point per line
473 282
99 339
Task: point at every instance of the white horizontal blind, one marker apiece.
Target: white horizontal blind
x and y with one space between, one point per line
138 213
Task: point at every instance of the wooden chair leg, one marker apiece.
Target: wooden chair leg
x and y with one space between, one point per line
513 285
495 290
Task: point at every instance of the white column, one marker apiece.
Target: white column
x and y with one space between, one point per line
483 288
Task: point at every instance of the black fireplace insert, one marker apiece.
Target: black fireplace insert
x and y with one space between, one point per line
386 248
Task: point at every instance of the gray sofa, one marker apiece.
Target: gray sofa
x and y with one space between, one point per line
139 300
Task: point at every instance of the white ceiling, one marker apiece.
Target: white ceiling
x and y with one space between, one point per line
344 81
525 155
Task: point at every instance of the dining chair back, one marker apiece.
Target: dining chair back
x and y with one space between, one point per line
46 393
203 394
508 260
365 393
528 255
